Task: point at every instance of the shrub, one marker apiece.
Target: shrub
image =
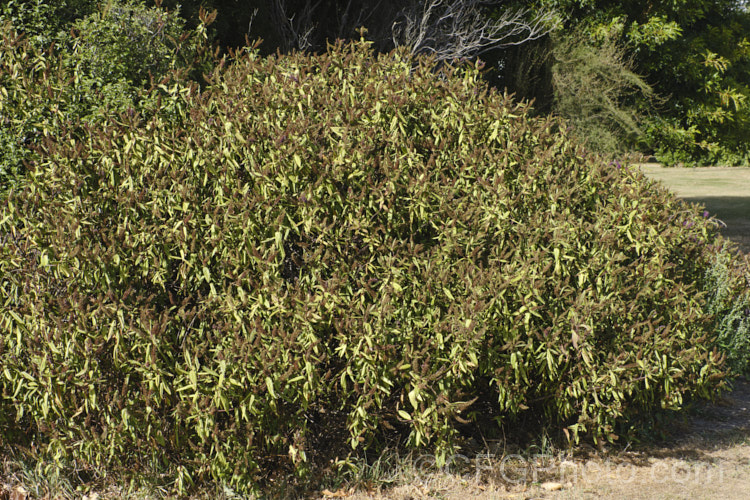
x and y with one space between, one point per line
728 286
102 71
322 253
36 98
44 22
128 41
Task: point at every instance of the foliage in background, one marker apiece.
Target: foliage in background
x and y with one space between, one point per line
595 90
446 28
45 22
705 75
132 43
693 54
325 254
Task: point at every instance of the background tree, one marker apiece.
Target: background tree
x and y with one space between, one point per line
596 90
694 54
42 21
446 28
705 74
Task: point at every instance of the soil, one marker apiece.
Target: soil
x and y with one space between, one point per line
709 458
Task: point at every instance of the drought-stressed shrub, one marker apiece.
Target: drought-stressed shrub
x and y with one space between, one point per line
320 253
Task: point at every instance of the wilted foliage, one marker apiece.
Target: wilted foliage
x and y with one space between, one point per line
320 252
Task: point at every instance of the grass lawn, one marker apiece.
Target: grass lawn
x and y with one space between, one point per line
725 191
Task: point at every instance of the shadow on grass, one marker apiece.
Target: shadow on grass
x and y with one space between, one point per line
734 211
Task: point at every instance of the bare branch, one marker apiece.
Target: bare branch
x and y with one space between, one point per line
296 30
456 29
252 18
367 14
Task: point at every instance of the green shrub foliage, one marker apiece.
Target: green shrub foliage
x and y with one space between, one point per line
322 252
44 22
129 42
36 98
103 70
728 287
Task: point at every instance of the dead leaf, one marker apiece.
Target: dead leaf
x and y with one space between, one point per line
552 486
18 493
337 494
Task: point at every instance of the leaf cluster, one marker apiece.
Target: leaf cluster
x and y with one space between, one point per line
727 283
694 55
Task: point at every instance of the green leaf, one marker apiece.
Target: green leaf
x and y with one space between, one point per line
269 385
413 398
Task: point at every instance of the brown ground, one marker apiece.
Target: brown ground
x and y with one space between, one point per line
709 460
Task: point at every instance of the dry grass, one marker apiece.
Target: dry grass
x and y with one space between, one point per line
707 457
